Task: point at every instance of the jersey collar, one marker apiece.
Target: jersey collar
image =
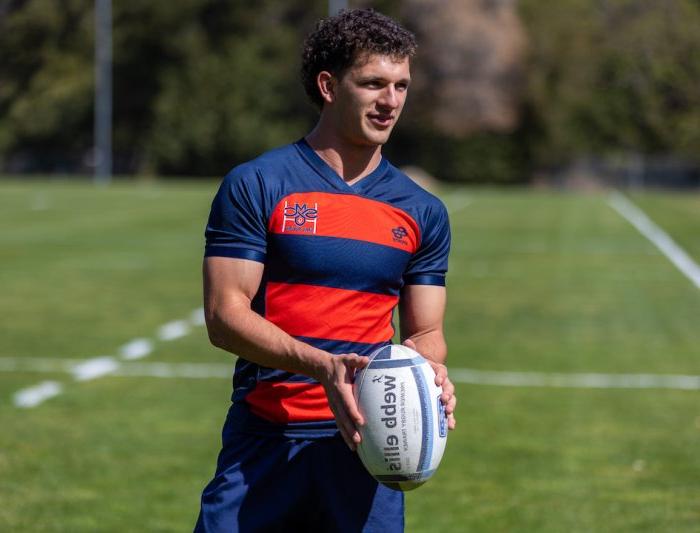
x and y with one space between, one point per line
330 175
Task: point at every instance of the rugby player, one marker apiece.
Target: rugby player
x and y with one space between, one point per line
309 249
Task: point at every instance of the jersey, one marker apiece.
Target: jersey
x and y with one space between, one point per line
335 256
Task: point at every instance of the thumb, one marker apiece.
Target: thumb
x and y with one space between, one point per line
410 344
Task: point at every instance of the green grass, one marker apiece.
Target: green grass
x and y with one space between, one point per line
538 282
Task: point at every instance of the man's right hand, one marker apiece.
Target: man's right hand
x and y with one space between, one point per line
336 378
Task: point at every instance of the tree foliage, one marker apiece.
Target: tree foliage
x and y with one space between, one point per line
614 76
198 84
501 87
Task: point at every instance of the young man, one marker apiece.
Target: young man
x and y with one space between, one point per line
310 247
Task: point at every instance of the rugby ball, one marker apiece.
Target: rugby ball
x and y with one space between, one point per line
405 428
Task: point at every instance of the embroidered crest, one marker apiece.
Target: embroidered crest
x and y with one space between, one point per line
299 218
399 235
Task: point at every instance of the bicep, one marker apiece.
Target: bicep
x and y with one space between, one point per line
229 281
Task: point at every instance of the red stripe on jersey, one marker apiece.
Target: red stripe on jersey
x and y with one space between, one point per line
330 313
282 402
346 216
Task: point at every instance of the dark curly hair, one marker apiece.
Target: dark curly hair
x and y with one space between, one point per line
338 41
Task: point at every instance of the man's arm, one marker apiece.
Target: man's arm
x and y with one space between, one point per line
229 287
422 309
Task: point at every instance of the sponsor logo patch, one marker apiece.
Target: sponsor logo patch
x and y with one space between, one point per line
400 234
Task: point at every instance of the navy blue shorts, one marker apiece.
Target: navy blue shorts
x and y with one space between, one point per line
281 484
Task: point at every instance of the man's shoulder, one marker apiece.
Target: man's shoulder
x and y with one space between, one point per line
419 196
268 164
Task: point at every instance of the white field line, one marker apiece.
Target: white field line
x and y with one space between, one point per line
136 349
173 330
177 370
94 368
197 317
457 375
460 203
33 396
575 381
107 365
657 236
84 370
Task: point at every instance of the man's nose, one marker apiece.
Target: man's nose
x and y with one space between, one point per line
389 97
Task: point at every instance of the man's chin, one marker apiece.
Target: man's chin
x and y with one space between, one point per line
379 138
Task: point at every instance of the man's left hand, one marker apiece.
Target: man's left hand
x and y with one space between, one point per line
448 398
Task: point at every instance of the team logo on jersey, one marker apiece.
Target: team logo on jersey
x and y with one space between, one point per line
299 218
400 235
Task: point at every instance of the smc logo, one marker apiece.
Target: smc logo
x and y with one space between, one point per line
303 218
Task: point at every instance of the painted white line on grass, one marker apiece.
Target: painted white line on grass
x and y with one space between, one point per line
107 365
40 202
136 349
457 375
173 330
84 370
657 236
461 204
575 381
94 368
37 364
33 396
176 370
197 317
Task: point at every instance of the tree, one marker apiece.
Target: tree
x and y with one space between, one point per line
46 81
199 85
611 77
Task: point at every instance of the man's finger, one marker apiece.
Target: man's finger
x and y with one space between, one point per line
448 391
450 406
351 409
345 426
356 361
442 373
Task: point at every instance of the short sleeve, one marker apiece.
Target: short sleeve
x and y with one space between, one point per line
237 226
428 266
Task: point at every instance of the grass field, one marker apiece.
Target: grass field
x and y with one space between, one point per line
539 282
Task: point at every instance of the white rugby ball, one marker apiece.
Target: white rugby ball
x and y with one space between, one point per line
405 429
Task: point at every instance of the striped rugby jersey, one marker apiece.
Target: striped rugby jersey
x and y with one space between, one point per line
336 257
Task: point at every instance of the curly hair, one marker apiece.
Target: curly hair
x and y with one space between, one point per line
337 42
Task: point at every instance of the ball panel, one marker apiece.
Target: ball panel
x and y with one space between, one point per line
417 476
397 363
426 449
404 486
382 353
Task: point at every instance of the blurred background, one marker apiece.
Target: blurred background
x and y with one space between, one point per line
506 92
564 139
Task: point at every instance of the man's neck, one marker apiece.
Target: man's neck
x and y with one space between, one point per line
351 162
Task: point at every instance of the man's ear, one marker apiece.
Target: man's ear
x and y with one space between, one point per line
326 83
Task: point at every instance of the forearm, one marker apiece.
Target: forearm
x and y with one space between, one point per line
236 328
422 309
430 344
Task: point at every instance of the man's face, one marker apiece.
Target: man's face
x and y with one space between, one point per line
369 98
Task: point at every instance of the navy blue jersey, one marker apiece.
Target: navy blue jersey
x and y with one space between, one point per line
336 257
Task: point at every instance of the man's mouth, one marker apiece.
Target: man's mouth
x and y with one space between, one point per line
381 120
